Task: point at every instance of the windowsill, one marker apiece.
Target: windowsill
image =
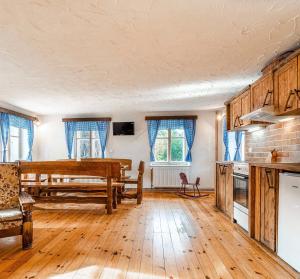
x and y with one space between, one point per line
170 164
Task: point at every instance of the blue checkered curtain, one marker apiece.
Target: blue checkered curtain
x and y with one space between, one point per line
171 124
4 127
226 140
69 132
153 126
238 141
103 131
189 126
23 123
71 127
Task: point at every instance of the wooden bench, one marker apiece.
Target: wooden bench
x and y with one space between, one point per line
138 181
126 164
111 171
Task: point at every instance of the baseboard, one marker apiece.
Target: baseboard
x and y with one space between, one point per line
173 189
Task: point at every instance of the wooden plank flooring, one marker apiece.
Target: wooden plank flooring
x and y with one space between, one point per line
165 237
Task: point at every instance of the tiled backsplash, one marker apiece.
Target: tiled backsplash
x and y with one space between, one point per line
284 137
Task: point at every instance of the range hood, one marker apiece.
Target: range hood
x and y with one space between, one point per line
265 114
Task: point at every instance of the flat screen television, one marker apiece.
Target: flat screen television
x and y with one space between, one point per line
123 128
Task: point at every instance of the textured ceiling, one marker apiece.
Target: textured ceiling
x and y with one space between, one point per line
73 57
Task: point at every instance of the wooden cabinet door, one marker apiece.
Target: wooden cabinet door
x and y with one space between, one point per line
268 207
245 106
229 191
286 83
224 189
262 92
236 111
220 188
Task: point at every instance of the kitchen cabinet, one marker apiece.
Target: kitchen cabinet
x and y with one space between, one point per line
266 200
262 92
245 107
236 111
224 188
286 87
239 107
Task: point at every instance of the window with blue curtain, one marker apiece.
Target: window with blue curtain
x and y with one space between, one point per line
173 138
17 134
90 138
234 144
226 140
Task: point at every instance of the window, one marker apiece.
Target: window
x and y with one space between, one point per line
87 145
232 145
17 146
170 146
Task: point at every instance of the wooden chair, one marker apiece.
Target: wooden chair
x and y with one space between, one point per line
138 194
184 189
15 206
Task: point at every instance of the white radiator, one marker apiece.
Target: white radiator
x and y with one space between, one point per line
168 176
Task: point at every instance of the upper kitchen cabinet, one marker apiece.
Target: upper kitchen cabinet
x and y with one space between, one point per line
262 92
286 86
239 107
245 106
235 113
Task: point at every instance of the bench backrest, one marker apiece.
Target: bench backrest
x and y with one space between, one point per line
123 162
93 168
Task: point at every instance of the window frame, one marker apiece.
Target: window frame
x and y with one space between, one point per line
90 138
169 145
8 149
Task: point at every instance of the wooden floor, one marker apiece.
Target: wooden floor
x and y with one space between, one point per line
165 237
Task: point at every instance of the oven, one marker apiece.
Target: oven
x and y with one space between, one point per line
240 189
240 194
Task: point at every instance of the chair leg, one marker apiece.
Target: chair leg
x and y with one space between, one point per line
114 204
139 190
139 194
119 195
109 208
198 191
27 231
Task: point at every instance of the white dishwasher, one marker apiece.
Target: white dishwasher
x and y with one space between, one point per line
289 219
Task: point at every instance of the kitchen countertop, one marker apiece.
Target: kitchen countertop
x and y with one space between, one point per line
293 167
224 162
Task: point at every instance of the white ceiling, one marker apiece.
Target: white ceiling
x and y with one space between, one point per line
101 56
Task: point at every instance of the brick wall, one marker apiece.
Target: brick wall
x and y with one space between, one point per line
284 137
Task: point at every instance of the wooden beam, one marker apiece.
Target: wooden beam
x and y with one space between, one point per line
86 119
33 118
171 117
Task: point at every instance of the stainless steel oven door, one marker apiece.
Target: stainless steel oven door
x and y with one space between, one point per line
240 189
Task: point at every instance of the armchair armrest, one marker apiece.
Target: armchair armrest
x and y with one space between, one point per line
25 199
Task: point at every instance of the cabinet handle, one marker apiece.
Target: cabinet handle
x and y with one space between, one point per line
222 169
295 93
234 124
241 122
269 93
269 178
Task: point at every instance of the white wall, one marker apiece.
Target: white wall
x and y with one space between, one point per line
50 143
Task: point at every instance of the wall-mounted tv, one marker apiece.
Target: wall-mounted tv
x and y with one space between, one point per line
123 128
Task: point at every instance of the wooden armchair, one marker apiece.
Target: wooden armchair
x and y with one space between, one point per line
138 181
15 206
